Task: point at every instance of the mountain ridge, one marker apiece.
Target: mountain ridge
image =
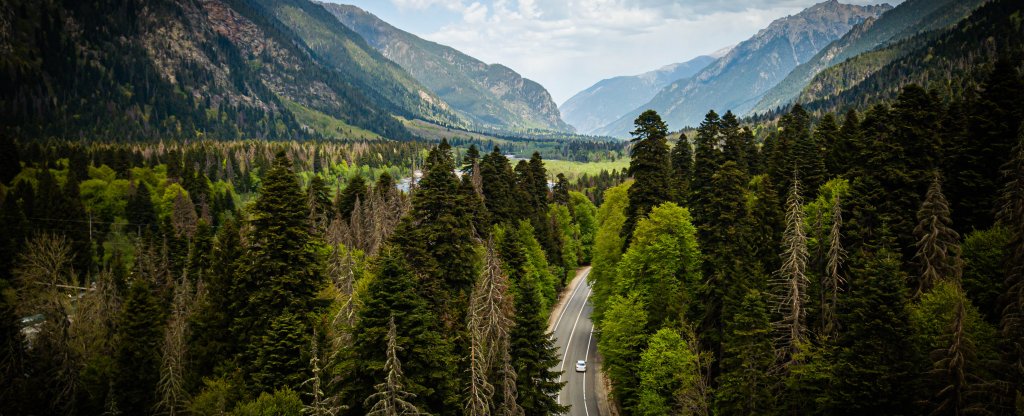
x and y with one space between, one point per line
492 96
610 98
736 81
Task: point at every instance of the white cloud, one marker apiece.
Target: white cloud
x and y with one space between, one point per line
567 45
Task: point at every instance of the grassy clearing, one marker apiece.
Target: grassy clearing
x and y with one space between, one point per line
574 170
435 132
326 125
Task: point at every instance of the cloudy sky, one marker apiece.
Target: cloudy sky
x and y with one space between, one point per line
568 45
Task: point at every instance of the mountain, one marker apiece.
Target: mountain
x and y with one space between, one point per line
903 21
609 99
145 69
737 80
492 97
952 60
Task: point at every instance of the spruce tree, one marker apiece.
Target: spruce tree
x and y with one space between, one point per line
501 195
682 169
707 159
139 209
649 165
938 245
354 191
873 364
137 355
426 356
745 385
280 361
212 339
278 274
321 211
827 135
534 353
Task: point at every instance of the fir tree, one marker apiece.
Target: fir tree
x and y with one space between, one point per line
938 245
354 191
682 169
391 399
533 352
279 356
706 162
873 365
279 274
139 209
138 350
827 135
649 165
321 211
747 362
501 195
560 193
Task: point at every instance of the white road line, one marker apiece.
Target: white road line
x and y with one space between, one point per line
571 297
585 357
565 353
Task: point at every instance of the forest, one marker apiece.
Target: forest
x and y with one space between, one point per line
866 263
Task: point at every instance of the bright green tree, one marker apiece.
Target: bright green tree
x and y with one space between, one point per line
623 337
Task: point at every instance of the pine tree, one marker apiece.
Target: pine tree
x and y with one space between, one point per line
427 357
212 340
938 245
1011 216
707 159
354 191
391 399
138 350
748 360
791 284
873 364
560 193
279 276
533 352
437 239
649 165
682 169
501 195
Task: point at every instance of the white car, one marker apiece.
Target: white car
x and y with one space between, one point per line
581 366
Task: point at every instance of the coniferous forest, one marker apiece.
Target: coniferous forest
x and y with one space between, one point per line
240 207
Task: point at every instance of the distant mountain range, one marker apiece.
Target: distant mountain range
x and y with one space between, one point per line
738 80
905 20
224 69
489 96
609 99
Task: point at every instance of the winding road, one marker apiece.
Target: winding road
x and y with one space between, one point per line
572 332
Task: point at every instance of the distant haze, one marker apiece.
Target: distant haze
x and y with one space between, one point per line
568 45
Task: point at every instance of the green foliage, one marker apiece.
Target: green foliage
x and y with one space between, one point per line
584 216
283 402
608 247
623 337
661 268
138 349
667 366
533 351
745 385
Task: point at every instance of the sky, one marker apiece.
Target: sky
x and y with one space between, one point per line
568 45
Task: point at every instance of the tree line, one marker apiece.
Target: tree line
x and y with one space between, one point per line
153 284
865 266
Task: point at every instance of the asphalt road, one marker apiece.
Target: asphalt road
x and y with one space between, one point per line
575 341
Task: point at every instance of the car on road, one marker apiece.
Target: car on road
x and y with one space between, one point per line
581 366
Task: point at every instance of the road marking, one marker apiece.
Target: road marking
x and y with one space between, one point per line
585 358
571 297
565 353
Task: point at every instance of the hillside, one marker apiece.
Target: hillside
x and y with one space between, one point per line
489 96
183 69
738 80
956 56
609 99
903 21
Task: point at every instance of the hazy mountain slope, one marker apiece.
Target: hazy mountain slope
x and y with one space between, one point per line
175 69
491 96
737 81
609 99
337 46
903 21
951 60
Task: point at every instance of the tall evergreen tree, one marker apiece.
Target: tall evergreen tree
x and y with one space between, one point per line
873 365
534 353
828 136
354 191
682 169
938 245
501 195
391 399
278 272
138 350
649 165
707 159
748 359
